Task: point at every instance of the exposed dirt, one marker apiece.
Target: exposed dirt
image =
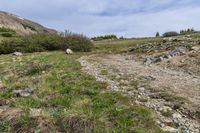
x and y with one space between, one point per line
172 92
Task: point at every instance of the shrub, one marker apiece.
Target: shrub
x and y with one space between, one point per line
78 42
4 29
10 46
98 38
46 42
170 34
7 34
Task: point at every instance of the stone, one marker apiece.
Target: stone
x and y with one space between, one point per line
176 116
169 129
149 60
168 121
159 59
167 56
142 89
165 109
69 51
35 112
149 78
195 48
23 93
17 54
178 51
43 72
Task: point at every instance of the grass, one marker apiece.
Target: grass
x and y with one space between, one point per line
139 45
73 101
120 46
1 38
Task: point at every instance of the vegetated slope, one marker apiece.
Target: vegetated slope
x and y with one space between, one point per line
22 26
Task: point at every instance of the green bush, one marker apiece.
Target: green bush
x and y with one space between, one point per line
46 42
99 38
3 29
77 42
170 34
6 34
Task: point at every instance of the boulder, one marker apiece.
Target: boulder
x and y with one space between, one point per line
170 129
69 51
17 54
195 48
165 109
35 112
23 93
178 51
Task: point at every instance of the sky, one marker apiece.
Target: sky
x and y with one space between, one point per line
128 18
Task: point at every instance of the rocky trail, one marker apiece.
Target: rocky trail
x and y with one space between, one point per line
174 95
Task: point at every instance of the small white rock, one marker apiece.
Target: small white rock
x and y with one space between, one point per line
142 89
35 112
69 51
170 129
17 54
176 116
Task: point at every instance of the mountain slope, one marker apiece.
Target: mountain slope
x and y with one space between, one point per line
22 26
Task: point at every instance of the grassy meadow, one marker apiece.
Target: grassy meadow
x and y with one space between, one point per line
68 100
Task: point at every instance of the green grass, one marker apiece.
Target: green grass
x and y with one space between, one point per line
139 45
120 46
73 101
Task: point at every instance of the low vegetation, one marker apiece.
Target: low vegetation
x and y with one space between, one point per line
170 34
68 100
3 29
99 38
46 42
125 45
7 32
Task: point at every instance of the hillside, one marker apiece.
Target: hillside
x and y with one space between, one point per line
22 26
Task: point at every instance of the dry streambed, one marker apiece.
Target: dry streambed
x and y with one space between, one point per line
173 94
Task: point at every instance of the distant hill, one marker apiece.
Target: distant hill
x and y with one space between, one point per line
22 26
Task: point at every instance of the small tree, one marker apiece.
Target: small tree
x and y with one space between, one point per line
157 34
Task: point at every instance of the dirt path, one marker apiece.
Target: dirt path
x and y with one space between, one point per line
159 88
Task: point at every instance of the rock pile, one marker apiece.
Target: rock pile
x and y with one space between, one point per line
175 52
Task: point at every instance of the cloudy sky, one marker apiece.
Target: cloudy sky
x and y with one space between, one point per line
130 18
